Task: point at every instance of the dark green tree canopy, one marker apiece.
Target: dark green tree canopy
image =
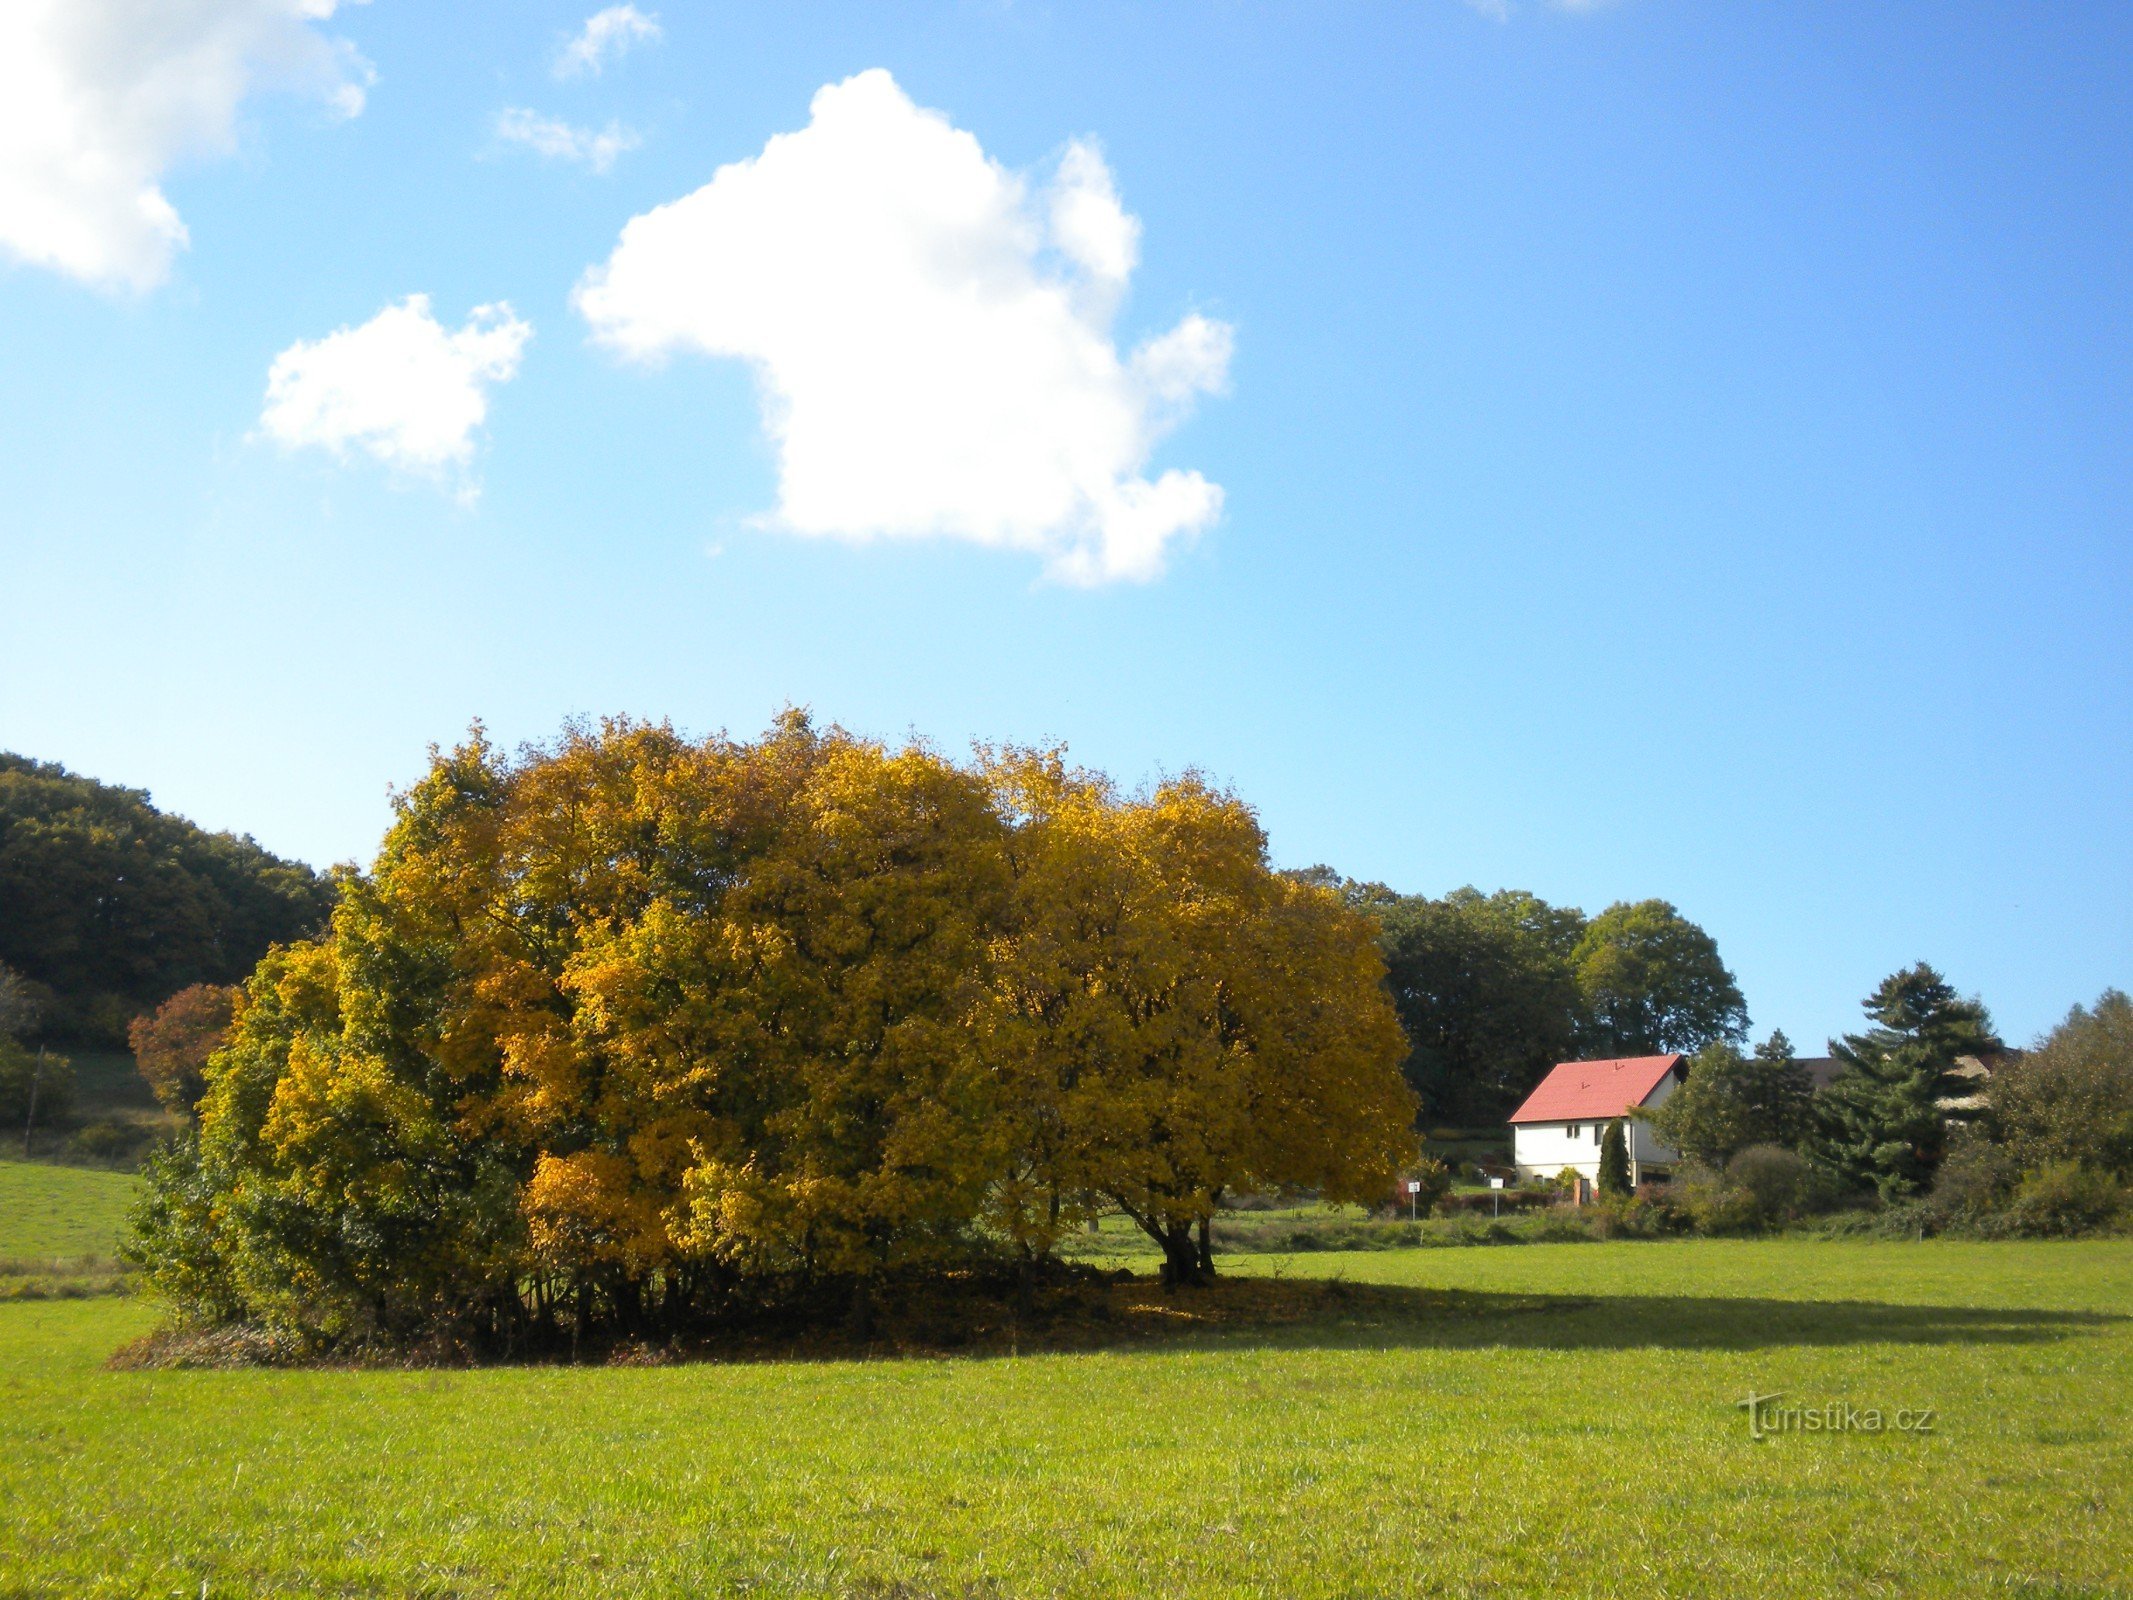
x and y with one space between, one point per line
1494 989
1731 1102
1880 1124
110 906
1652 983
1485 990
1918 1012
1614 1160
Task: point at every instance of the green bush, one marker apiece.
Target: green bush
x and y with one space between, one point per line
101 1141
1978 1178
1909 1219
1643 1215
19 1071
1785 1187
1436 1180
1712 1205
2063 1199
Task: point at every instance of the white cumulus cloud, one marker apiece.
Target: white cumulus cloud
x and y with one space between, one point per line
607 35
559 141
932 339
99 98
401 387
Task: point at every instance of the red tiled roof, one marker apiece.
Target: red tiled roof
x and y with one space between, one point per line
1593 1091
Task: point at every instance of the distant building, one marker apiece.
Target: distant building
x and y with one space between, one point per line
1820 1069
1971 1075
1562 1121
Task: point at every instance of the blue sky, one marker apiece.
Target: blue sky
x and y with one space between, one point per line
1662 449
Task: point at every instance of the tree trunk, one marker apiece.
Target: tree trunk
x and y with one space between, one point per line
1206 1251
29 1122
1181 1257
860 1320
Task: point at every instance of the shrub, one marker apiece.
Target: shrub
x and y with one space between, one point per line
1643 1215
101 1141
1712 1205
2063 1199
23 1076
1436 1180
1491 1201
1908 1219
1977 1178
1784 1186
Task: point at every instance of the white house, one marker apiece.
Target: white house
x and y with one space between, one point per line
1561 1123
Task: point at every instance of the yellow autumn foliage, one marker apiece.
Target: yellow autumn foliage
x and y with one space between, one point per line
622 1024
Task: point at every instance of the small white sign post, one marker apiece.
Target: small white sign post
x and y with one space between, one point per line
1414 1189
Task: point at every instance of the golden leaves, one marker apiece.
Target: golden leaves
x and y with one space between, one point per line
810 1004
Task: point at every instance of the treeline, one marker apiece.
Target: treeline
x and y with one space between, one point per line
108 906
637 1035
1493 990
1930 1117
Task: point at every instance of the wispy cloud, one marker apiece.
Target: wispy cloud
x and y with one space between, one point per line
559 141
606 36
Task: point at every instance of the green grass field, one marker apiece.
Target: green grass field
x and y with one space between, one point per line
48 1211
1566 1425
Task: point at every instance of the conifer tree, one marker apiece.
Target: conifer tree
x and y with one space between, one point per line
1879 1125
1614 1159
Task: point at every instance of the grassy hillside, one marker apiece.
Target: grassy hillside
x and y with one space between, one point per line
48 1211
1567 1424
113 1119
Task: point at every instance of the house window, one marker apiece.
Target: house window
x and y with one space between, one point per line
1573 1130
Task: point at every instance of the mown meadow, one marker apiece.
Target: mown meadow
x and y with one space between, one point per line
1558 1419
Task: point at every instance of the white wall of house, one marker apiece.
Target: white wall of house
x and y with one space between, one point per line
1644 1144
1542 1149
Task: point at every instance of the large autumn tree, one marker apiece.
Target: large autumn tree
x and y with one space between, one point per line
1179 1021
631 1031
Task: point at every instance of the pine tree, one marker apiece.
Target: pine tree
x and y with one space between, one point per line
1614 1160
1879 1125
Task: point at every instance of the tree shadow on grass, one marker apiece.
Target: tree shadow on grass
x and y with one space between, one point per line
1331 1315
1136 1316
